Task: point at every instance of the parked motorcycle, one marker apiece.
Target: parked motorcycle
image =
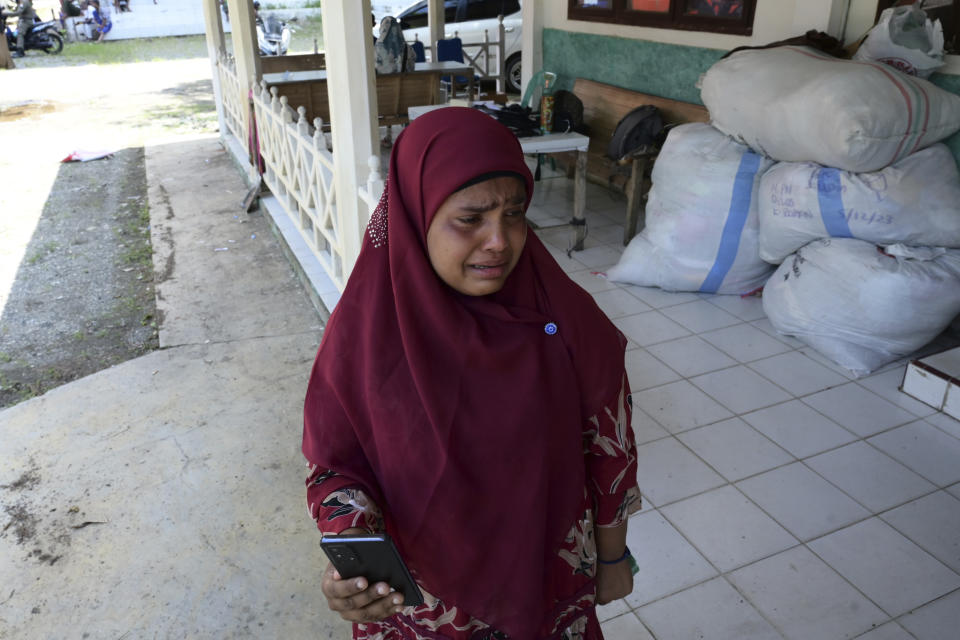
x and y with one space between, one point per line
273 36
42 35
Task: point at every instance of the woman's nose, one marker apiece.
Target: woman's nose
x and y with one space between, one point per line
496 239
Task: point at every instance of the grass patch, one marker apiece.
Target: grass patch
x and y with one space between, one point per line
123 51
305 31
43 252
199 116
21 390
139 255
135 233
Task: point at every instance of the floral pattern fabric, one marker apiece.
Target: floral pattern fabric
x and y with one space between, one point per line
610 496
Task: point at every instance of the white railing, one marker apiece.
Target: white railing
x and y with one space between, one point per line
299 171
234 101
486 57
370 194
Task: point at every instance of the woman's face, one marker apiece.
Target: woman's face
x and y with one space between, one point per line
477 235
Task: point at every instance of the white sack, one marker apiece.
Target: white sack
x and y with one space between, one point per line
906 39
915 201
860 307
701 218
796 104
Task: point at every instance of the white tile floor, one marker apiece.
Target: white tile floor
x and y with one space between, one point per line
784 499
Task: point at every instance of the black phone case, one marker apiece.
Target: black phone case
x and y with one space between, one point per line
374 557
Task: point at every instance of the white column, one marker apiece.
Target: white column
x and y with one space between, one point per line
353 112
531 46
246 52
436 20
215 44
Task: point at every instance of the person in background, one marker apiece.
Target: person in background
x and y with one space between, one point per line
69 9
88 19
391 51
101 17
26 15
470 400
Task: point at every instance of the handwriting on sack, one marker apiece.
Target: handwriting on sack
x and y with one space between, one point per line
874 182
867 217
785 206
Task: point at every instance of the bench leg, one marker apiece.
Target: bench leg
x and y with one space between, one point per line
634 195
580 201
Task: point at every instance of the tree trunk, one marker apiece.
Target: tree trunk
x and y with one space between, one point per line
6 60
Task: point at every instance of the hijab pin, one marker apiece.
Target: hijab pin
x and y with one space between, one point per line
550 328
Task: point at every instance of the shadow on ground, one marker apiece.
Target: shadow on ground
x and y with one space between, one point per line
83 297
189 107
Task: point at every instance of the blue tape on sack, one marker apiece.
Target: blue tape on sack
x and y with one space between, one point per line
733 227
830 194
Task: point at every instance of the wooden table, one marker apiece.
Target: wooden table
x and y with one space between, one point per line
438 69
552 143
396 92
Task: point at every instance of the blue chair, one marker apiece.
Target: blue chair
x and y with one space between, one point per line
451 50
421 55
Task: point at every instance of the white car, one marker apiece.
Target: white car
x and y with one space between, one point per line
469 18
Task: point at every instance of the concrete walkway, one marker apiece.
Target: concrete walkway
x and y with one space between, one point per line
163 498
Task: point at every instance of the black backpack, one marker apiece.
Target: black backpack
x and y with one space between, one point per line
641 127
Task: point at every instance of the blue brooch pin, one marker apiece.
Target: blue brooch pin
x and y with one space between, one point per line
550 328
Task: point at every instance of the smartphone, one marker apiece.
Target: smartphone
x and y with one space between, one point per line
374 557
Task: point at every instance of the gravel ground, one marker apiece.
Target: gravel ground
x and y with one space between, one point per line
76 276
83 296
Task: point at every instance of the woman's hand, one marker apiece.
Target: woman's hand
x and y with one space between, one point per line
614 581
356 600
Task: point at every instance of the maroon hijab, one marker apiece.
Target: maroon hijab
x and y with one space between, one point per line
462 416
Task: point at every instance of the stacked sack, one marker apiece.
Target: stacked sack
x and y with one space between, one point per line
701 231
915 201
863 210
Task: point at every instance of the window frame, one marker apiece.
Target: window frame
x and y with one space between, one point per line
618 13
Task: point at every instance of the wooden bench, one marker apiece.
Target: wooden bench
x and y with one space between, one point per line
300 62
396 92
604 106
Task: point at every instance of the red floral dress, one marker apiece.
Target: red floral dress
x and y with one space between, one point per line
609 497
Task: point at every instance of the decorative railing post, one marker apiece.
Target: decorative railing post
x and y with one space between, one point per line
486 56
374 183
501 54
298 170
371 192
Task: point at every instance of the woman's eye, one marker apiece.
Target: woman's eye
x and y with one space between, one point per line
469 219
516 214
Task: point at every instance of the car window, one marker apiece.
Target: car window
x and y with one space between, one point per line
455 11
419 15
459 11
414 17
490 9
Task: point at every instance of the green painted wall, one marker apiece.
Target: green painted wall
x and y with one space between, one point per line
667 70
